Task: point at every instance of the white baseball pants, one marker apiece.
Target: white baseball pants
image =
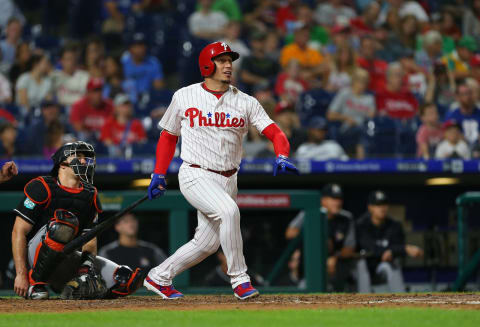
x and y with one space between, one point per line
214 197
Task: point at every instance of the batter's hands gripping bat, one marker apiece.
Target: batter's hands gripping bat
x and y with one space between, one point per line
83 239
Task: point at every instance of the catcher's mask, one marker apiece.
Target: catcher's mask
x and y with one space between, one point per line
83 163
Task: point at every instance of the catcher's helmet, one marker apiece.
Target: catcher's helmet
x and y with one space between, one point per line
84 170
205 60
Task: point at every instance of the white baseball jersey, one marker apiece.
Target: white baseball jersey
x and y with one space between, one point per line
212 129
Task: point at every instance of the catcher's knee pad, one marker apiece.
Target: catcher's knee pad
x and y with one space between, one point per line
127 281
61 229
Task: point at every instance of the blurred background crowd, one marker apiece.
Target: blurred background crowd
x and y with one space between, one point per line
344 79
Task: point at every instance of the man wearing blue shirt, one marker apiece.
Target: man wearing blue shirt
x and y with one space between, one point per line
145 70
467 114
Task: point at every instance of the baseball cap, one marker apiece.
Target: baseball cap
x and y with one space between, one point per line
94 83
120 99
468 42
377 198
450 123
137 38
317 123
332 190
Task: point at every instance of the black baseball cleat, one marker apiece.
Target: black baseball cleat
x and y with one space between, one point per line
37 292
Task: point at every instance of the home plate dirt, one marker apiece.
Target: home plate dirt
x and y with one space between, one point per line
266 302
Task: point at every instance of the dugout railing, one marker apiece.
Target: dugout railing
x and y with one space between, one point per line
313 234
467 267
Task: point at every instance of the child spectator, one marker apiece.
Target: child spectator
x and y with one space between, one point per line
430 134
453 146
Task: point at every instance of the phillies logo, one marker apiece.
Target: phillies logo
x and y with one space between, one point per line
220 119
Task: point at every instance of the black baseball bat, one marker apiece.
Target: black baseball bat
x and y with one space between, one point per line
83 239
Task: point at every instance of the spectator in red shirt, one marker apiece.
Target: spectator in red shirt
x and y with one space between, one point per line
89 114
364 24
286 15
430 134
375 67
396 101
121 129
289 83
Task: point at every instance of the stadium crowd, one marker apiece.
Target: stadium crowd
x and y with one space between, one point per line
344 79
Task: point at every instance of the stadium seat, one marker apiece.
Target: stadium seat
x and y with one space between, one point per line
406 138
313 103
381 137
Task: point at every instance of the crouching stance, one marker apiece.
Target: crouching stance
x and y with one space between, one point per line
56 209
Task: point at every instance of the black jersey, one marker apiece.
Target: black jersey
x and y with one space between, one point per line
44 194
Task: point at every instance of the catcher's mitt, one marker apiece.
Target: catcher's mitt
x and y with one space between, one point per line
88 284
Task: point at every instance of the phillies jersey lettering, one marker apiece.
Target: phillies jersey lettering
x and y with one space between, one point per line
213 129
220 119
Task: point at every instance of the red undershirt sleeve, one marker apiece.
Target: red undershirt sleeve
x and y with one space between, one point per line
278 138
165 150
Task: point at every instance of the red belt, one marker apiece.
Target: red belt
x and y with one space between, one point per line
226 173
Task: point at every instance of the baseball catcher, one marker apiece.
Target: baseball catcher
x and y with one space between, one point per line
54 210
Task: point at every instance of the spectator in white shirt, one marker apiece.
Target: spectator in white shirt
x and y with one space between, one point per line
207 24
317 147
453 146
13 33
69 82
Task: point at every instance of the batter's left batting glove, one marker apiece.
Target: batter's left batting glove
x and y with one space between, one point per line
157 187
284 165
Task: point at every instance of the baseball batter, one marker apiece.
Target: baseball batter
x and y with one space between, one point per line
212 117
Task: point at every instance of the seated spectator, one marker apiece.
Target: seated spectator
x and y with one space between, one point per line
128 250
406 8
230 8
22 62
317 147
115 81
318 34
262 16
311 61
36 134
376 68
467 114
475 67
440 87
365 23
207 23
54 138
69 82
327 13
415 79
453 146
231 36
121 129
8 46
257 69
436 24
289 123
93 57
430 133
89 114
5 90
405 39
341 68
396 101
381 241
471 20
218 277
352 107
341 236
8 140
117 13
286 15
35 85
431 52
145 70
459 60
448 23
290 84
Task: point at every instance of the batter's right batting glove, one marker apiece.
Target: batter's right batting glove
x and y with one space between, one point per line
157 187
284 165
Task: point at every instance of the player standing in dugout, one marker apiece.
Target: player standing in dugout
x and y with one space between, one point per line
212 117
54 210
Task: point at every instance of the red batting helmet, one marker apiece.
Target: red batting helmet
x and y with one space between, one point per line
205 60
